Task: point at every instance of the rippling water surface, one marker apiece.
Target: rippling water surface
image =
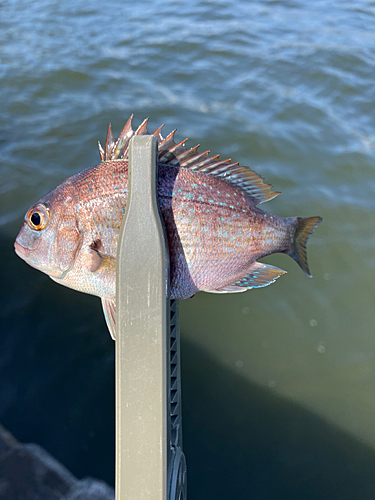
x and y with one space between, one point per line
287 372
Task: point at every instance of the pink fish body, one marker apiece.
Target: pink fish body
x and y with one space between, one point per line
215 231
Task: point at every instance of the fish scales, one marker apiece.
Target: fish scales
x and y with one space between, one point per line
214 223
215 231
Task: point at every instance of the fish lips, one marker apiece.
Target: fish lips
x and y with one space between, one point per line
26 242
26 255
23 253
25 246
20 250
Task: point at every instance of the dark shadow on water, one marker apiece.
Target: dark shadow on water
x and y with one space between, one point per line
241 441
56 369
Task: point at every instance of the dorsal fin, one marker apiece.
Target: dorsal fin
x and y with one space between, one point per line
175 154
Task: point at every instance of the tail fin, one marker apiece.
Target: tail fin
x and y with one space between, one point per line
304 227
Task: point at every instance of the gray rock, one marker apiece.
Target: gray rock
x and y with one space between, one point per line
28 472
91 489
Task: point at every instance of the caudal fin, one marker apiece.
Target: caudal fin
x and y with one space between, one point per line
303 228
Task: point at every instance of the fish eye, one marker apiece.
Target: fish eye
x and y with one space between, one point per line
35 219
38 217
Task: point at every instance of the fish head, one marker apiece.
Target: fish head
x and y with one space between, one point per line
50 239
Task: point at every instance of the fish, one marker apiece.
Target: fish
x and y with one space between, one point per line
216 233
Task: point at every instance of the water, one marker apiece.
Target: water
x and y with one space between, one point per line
279 383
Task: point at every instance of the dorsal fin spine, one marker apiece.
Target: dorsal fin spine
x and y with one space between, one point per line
175 154
142 129
157 133
101 151
109 143
188 153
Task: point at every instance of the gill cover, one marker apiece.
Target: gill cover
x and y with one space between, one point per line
68 242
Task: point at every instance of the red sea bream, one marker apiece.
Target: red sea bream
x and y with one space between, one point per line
215 231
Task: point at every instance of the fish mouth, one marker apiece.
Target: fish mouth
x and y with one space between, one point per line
23 253
20 250
26 254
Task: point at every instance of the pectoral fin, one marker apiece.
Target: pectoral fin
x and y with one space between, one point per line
260 275
92 260
95 260
109 309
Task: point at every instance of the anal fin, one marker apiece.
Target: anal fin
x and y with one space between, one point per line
260 275
109 309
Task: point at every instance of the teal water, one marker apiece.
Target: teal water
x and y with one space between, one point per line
279 382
